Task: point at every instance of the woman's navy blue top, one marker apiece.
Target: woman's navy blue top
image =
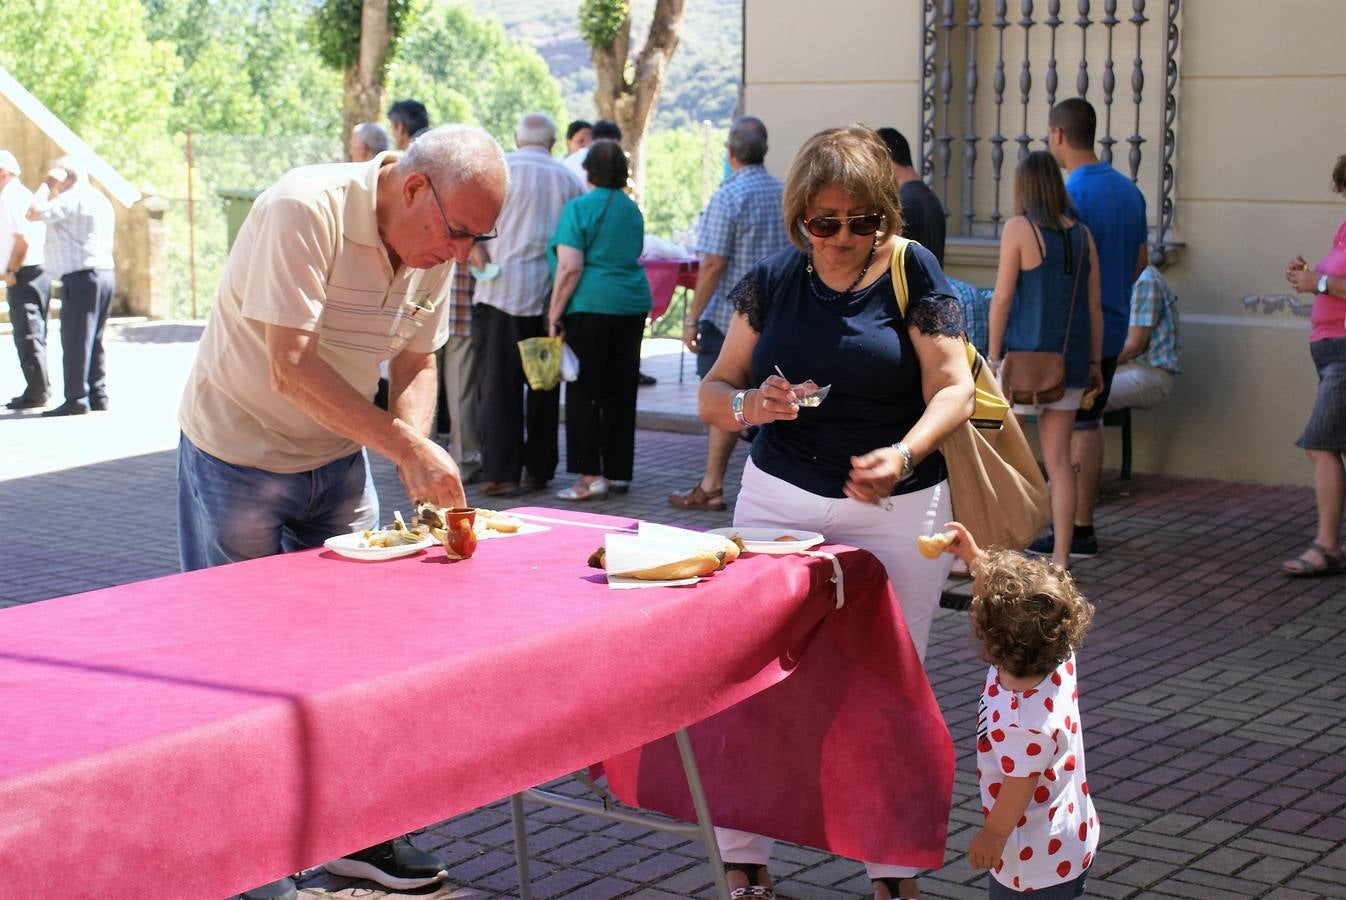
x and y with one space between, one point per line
1042 298
857 343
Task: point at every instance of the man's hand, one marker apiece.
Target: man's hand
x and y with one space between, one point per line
430 475
985 849
691 337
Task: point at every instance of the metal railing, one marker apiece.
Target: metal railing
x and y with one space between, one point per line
975 188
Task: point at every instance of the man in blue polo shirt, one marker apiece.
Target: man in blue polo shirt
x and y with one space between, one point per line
1114 210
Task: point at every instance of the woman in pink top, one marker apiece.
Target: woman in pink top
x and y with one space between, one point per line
1324 438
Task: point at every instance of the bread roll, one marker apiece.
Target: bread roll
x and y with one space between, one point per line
932 545
702 562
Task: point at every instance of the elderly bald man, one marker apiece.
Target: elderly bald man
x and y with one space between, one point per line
518 424
336 269
368 140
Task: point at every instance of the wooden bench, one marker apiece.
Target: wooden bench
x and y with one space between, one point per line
1121 418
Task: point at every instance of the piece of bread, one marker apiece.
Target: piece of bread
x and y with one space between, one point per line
932 545
498 521
733 548
702 562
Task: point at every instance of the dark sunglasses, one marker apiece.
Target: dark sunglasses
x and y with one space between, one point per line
454 233
826 226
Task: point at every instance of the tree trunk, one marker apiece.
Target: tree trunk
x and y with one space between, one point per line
362 99
629 99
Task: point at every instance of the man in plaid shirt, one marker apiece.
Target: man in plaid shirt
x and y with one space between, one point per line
741 225
1150 358
458 371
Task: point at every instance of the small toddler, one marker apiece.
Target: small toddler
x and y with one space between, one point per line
1041 830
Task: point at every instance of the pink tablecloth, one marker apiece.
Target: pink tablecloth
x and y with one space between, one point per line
199 734
664 276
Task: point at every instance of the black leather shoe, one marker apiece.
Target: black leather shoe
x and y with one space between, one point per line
23 402
69 408
284 889
395 864
98 404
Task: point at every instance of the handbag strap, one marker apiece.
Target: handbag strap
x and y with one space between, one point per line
1079 267
900 273
598 226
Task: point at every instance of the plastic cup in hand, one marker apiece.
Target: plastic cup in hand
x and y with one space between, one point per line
810 394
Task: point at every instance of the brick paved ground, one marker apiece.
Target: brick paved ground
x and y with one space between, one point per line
1212 685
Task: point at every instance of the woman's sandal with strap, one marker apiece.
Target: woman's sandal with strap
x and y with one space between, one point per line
756 890
1302 566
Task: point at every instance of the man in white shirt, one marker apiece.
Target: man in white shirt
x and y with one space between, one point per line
27 285
78 252
518 432
602 130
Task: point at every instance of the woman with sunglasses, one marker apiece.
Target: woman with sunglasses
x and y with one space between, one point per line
863 466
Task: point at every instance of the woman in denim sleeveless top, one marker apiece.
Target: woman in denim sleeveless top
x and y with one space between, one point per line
1047 265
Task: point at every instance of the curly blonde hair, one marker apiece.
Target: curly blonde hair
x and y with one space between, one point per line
1027 613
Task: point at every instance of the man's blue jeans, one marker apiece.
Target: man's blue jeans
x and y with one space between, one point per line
229 513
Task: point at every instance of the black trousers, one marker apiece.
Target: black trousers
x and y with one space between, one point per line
601 403
86 298
517 424
29 298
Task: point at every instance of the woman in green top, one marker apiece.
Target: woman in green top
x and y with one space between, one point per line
599 300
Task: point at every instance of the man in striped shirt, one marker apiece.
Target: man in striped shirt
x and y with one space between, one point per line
80 223
518 424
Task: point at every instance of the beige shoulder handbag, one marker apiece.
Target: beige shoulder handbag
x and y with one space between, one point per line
997 490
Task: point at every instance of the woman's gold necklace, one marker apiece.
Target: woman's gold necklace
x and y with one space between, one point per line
812 275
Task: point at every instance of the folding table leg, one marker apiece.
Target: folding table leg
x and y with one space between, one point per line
703 830
521 846
702 811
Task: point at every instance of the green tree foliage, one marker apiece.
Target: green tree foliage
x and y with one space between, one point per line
92 64
601 20
247 67
675 177
336 30
464 68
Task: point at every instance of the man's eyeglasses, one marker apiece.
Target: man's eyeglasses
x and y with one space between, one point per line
454 233
826 226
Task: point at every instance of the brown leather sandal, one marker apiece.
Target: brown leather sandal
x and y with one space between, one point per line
698 498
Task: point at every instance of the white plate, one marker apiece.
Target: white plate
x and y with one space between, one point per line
487 534
348 545
763 540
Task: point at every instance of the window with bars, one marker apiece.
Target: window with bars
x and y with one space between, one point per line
992 73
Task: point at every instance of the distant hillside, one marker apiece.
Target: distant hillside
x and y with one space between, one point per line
704 76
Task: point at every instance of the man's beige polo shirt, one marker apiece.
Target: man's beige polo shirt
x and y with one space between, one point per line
307 257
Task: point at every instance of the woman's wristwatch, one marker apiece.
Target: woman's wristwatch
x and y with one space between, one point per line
1322 285
738 408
